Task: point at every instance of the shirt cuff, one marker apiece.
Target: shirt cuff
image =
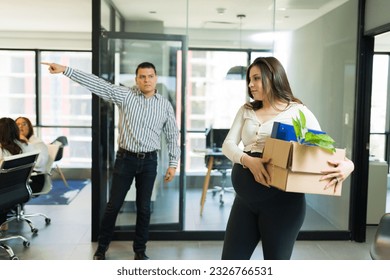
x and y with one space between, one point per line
68 72
173 164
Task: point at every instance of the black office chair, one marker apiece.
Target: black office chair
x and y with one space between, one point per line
15 172
380 248
214 140
222 164
62 141
44 188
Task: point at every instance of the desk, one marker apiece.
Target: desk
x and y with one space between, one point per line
214 160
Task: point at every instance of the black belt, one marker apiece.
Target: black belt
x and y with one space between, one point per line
254 154
137 155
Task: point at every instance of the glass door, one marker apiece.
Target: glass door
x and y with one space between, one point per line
120 54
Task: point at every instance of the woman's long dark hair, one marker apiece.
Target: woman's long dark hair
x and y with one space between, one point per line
9 132
275 82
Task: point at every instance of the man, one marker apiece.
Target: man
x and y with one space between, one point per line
143 116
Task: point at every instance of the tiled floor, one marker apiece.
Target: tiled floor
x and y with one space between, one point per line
68 238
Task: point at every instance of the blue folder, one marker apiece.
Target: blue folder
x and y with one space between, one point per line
286 132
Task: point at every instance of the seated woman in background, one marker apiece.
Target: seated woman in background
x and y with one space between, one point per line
10 144
10 141
27 132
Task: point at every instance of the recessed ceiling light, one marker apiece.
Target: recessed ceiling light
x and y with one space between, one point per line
152 12
221 11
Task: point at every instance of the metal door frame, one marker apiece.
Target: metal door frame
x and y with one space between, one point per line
102 143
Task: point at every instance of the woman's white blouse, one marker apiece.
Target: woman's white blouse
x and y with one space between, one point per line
25 148
34 144
43 158
252 133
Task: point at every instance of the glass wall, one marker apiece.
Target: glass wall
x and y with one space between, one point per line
320 59
165 53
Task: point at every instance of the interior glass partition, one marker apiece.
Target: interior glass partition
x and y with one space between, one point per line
320 59
126 51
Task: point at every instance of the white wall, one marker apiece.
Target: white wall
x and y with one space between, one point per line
46 40
321 63
377 14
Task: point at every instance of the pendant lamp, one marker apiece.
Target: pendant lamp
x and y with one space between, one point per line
237 72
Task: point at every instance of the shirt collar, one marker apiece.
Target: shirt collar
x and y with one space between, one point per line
137 91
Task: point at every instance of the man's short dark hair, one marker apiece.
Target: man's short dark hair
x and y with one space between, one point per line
145 65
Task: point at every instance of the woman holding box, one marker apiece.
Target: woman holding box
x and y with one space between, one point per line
260 212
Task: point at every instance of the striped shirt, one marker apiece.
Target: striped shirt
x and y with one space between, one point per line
141 120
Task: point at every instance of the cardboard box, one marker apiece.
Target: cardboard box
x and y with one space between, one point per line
297 168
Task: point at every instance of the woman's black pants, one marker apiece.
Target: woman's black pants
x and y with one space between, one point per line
261 213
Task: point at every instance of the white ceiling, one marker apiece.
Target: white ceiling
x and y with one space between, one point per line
46 15
75 15
290 14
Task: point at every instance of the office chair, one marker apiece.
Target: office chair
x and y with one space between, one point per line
19 213
46 187
380 248
222 164
216 160
62 141
15 172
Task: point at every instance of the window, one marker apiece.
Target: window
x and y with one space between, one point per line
379 111
212 98
58 107
18 87
66 108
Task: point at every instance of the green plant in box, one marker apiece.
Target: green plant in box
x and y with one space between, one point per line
306 137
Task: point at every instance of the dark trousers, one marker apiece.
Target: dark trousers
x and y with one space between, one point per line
267 214
37 183
128 167
3 216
